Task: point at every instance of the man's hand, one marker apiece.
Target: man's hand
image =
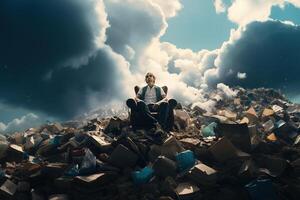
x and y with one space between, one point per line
155 106
137 99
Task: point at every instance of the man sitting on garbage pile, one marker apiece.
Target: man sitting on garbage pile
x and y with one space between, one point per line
151 98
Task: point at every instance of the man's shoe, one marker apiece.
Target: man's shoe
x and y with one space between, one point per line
157 126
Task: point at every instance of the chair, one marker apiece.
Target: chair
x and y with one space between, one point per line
172 105
165 89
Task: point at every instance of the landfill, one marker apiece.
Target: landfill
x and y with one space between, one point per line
247 147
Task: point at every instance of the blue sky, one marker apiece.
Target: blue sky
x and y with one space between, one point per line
197 26
290 13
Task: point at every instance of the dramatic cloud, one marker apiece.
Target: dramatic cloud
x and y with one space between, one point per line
180 69
133 24
266 51
53 57
246 11
66 57
50 32
169 7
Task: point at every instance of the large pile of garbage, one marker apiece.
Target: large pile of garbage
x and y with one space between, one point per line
248 147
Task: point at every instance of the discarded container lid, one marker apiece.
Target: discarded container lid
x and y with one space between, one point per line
185 160
143 176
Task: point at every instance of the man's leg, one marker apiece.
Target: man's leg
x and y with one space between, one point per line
131 103
163 112
170 120
146 118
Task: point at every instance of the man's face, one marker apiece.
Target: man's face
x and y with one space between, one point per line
150 80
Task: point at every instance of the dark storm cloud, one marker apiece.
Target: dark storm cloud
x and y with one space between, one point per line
133 24
44 32
268 52
38 41
68 90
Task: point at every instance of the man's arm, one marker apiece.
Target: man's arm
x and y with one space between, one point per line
138 95
163 95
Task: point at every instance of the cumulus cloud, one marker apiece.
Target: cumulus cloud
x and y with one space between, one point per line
266 52
219 6
243 12
133 25
241 75
181 69
146 22
169 7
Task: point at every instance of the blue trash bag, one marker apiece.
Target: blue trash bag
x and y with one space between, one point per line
185 160
88 164
143 176
74 171
261 190
209 130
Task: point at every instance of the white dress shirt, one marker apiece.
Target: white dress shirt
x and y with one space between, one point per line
150 95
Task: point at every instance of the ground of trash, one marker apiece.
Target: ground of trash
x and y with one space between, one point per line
248 147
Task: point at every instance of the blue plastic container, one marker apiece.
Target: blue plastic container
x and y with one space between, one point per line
261 190
185 160
142 176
